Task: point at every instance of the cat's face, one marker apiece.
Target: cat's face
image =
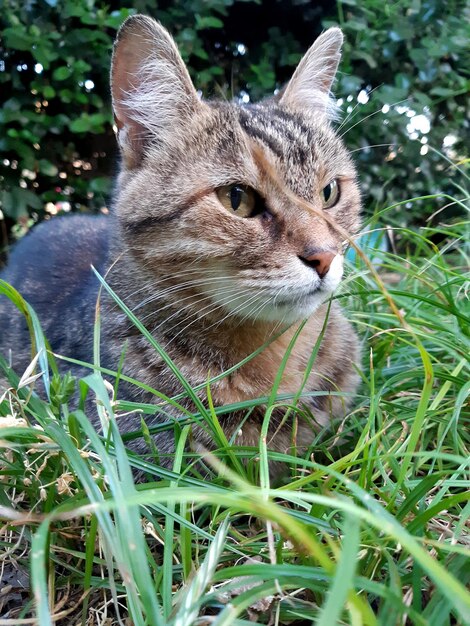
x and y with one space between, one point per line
213 196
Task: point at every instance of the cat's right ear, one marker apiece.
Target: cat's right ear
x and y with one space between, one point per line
151 88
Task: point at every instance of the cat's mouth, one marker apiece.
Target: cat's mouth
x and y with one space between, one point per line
320 290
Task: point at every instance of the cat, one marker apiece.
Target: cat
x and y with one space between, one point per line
216 242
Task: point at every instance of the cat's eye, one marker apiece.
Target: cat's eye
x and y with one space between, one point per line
238 199
330 194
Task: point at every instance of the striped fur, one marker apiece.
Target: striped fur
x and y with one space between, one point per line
211 286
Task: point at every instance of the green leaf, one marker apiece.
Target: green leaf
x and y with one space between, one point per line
62 73
81 125
442 91
344 576
365 56
208 21
48 92
17 38
101 185
15 203
47 168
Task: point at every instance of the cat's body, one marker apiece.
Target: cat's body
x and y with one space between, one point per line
207 243
51 267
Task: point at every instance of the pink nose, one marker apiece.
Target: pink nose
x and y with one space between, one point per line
320 261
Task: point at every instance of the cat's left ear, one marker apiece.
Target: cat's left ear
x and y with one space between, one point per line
309 88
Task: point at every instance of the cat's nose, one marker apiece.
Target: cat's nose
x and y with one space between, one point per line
319 261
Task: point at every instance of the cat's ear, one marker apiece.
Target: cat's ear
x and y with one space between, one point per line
309 88
151 89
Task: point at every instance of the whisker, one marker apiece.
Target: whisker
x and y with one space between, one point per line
370 115
279 325
177 313
235 311
351 114
376 145
178 302
172 276
211 306
271 300
220 306
250 313
174 288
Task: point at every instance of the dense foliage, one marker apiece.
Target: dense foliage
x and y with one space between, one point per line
404 83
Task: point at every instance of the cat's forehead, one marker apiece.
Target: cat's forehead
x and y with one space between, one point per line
277 128
300 146
286 135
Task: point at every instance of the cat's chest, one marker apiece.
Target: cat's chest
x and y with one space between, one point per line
239 387
257 378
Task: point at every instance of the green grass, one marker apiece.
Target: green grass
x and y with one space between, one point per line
368 528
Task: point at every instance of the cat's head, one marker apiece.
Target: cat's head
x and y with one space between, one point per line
218 193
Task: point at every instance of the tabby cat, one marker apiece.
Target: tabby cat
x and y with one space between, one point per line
216 241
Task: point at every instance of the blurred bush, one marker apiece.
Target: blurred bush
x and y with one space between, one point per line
403 90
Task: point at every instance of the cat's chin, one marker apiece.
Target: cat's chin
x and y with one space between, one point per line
288 311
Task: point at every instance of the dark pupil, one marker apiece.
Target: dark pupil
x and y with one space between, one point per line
235 197
327 192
